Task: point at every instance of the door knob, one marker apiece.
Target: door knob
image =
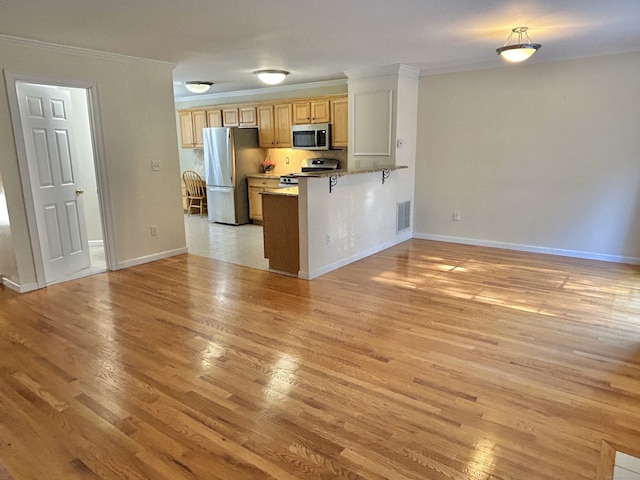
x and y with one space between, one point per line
79 191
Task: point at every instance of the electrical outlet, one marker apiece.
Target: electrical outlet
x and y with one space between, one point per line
456 216
155 165
286 160
154 230
328 240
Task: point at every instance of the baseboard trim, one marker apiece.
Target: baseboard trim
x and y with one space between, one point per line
96 243
28 287
530 248
354 258
151 258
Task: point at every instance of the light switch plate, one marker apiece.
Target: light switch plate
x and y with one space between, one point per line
155 165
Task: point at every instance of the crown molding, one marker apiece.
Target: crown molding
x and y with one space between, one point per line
263 91
86 52
396 69
408 71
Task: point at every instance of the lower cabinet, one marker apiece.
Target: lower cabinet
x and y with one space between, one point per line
281 238
185 202
257 185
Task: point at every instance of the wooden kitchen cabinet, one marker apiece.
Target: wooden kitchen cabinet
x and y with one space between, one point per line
256 187
248 117
186 130
266 127
340 122
315 111
280 232
273 119
214 118
185 200
191 124
282 132
230 117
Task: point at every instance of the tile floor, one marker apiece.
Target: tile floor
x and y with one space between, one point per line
98 265
626 467
241 245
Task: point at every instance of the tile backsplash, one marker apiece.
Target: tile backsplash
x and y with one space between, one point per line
194 159
279 157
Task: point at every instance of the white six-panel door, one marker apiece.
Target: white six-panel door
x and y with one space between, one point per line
47 126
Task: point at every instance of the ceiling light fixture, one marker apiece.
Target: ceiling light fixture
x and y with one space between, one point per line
520 51
271 77
198 87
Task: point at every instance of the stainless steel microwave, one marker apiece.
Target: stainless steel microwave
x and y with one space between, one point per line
316 136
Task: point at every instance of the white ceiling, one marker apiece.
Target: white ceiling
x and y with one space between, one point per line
225 41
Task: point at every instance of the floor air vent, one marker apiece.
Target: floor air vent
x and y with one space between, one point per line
403 216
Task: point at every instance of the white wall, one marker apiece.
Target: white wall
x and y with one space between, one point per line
138 126
373 100
541 157
358 216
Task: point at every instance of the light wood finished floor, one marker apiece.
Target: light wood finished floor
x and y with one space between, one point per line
426 361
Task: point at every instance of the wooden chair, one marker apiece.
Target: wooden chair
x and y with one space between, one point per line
196 191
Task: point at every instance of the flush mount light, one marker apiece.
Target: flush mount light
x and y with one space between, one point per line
198 87
271 77
520 51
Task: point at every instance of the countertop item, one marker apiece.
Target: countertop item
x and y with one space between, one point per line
263 175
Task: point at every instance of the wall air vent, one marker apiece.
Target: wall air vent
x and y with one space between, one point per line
403 216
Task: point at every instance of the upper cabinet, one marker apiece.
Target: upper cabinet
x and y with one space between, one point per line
273 119
274 126
230 117
340 122
191 125
186 130
266 127
282 132
314 111
248 116
214 118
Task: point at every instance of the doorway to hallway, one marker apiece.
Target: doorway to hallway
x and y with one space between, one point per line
56 135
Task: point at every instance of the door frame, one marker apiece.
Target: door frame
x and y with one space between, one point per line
99 159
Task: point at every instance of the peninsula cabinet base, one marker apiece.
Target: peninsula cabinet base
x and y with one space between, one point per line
280 230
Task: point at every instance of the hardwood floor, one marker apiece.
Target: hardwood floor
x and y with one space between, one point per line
426 361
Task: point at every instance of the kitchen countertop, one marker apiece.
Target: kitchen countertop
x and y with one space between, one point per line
287 191
341 173
329 173
264 175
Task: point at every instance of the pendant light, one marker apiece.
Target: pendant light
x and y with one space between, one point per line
198 87
271 77
520 51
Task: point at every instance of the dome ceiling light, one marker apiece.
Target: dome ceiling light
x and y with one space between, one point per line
198 87
520 51
271 77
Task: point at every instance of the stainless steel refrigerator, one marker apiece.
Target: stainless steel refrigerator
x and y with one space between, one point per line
230 154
